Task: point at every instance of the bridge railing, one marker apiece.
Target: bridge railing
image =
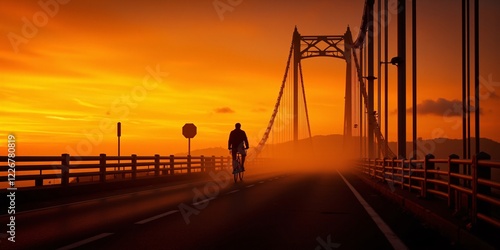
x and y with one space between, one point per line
466 185
64 170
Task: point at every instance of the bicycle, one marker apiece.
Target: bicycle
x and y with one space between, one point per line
237 169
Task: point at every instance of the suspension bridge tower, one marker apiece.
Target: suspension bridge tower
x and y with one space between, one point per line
321 46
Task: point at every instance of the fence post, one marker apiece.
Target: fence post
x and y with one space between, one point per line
228 164
102 167
483 173
172 165
371 169
427 165
65 169
202 163
157 164
409 173
222 163
367 166
366 162
134 166
403 172
479 172
39 182
453 197
402 178
392 170
384 162
212 164
377 168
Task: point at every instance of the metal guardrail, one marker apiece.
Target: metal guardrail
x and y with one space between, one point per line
64 170
466 184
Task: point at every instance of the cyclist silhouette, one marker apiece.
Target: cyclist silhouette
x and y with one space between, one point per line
238 142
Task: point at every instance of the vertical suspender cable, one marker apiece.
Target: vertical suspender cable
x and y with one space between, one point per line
414 75
464 83
469 155
476 74
364 96
365 111
386 73
370 59
361 109
379 65
401 79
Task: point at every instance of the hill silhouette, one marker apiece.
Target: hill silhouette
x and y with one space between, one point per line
320 146
323 150
443 147
217 151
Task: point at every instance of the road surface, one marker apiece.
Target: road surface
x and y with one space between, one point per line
328 210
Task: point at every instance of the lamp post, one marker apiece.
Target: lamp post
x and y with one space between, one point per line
402 79
394 61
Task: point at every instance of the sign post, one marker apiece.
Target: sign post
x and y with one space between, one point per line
189 131
119 134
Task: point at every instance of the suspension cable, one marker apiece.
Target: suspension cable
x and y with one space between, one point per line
387 152
305 102
262 142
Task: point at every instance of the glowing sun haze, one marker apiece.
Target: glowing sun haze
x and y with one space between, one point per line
70 73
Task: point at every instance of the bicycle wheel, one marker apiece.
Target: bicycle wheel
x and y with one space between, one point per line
240 175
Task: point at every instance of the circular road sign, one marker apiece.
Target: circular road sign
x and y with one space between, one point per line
189 130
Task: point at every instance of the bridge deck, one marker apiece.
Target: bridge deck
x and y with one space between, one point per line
272 210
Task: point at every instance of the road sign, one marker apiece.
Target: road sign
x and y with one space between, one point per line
189 130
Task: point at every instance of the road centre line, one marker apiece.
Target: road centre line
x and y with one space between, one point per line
203 201
234 191
168 188
85 241
156 217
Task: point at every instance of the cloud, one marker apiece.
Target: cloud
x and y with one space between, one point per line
224 110
259 110
85 104
64 118
440 107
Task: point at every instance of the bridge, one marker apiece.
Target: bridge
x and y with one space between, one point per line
365 195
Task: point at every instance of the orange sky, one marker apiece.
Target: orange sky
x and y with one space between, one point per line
155 65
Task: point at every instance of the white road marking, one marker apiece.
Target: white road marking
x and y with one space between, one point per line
386 230
249 186
156 217
203 201
168 188
234 191
86 241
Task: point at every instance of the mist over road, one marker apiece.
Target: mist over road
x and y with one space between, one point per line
266 211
